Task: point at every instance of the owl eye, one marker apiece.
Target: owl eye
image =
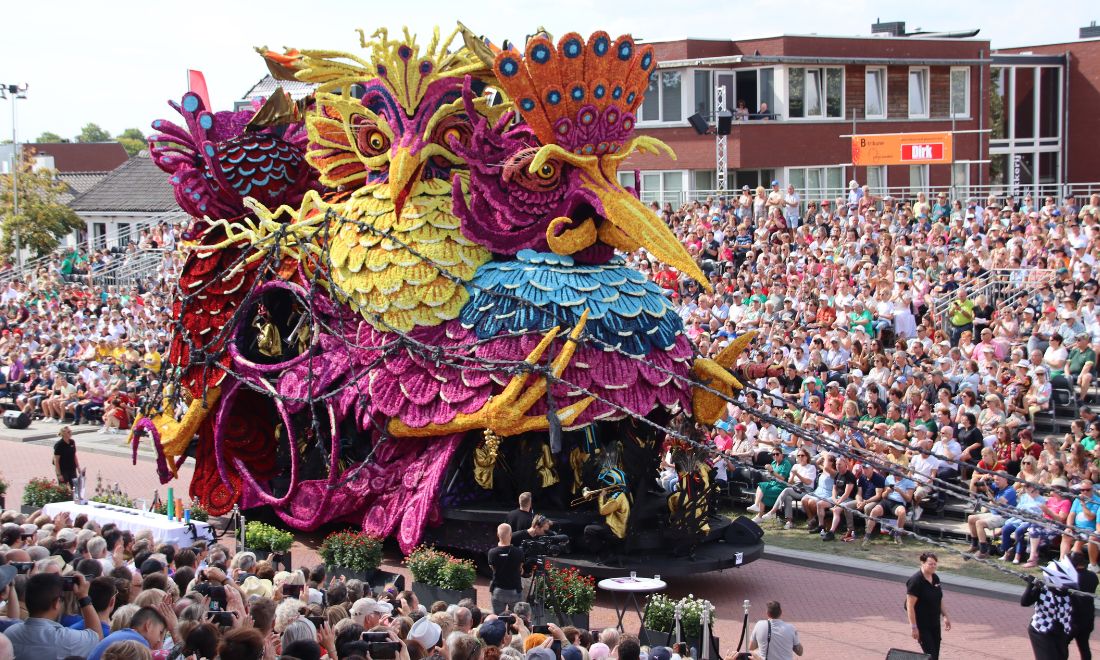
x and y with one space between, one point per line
371 141
547 172
450 130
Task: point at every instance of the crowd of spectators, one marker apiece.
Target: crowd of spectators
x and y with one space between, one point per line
73 589
915 340
76 347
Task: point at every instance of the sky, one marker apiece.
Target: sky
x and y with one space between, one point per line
117 63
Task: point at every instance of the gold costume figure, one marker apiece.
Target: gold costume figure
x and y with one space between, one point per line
615 508
545 467
485 460
268 340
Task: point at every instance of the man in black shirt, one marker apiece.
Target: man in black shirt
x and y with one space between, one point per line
1083 607
540 526
521 518
65 462
506 560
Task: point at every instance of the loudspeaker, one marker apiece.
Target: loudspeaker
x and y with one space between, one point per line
698 123
14 419
743 530
725 122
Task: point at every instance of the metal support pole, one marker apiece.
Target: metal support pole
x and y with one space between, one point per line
721 143
17 157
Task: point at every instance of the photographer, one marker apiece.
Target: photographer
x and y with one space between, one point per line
506 561
540 526
41 635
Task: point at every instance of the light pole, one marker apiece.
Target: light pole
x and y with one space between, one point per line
17 92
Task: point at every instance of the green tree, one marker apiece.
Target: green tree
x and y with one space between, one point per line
93 133
50 136
132 140
43 219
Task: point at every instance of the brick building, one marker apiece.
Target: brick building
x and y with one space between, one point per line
804 94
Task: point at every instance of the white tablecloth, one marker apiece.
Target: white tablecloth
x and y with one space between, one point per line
638 585
164 530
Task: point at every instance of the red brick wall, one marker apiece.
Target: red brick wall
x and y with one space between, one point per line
1082 156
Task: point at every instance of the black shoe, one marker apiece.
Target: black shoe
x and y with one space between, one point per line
828 536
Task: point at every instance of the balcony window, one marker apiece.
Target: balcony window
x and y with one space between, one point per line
815 92
663 102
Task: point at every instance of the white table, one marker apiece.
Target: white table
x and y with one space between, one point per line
163 529
625 591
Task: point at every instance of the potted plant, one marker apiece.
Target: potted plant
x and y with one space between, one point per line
41 491
3 491
440 576
575 594
269 542
659 624
356 555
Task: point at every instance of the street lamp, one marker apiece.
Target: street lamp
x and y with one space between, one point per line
17 92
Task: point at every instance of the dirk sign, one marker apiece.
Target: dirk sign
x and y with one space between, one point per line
902 149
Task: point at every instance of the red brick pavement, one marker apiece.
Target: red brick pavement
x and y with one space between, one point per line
837 615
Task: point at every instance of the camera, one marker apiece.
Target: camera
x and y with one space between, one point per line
372 636
68 582
549 545
23 567
215 592
507 618
317 621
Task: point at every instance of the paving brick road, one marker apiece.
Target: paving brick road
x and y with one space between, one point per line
837 615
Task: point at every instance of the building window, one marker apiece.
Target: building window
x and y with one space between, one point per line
816 183
960 179
663 187
815 93
960 91
703 88
918 179
662 100
918 92
875 96
876 179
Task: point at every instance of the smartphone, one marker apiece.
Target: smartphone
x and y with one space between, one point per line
23 567
292 590
372 636
383 650
507 618
545 630
68 582
316 621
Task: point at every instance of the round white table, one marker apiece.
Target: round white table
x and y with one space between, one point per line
625 592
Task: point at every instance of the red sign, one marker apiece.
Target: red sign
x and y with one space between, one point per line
922 152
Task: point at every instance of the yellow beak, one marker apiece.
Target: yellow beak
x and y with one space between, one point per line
632 223
404 175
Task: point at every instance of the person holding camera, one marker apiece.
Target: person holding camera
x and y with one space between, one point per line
506 560
540 526
41 636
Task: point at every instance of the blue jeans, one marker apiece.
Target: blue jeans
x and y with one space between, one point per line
1014 531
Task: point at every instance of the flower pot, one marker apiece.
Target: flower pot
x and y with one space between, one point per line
376 578
580 621
428 594
3 504
28 509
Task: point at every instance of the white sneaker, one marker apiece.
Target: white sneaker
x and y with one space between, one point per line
757 518
768 516
918 512
1094 568
789 525
753 509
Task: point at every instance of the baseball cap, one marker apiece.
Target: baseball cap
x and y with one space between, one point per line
660 653
66 536
370 606
492 632
573 653
775 182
